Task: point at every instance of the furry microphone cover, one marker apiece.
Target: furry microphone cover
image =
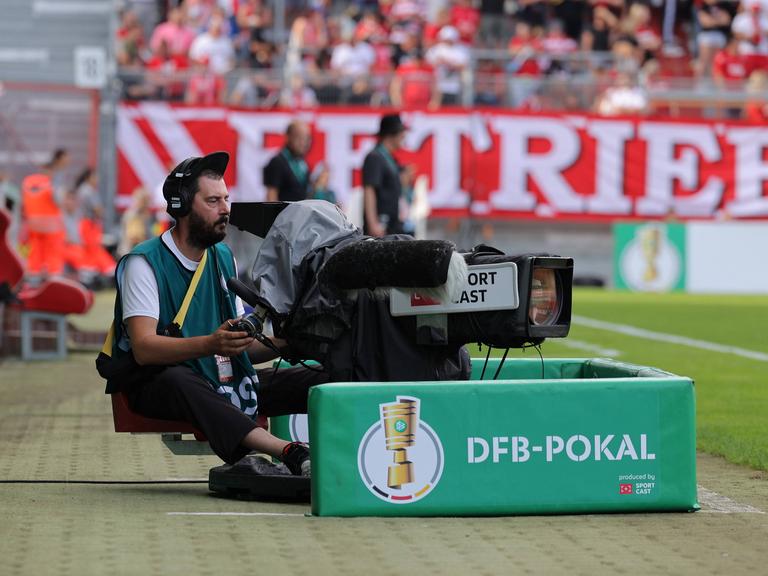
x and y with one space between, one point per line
389 263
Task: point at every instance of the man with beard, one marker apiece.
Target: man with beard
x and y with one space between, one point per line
201 372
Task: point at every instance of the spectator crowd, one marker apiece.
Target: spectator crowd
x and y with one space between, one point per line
423 54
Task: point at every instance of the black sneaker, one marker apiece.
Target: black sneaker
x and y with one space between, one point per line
296 456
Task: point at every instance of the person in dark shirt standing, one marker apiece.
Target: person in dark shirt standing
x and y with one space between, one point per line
381 180
286 176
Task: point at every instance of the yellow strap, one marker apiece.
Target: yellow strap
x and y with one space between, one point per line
109 340
180 315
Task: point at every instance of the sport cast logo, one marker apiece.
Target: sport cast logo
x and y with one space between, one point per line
400 457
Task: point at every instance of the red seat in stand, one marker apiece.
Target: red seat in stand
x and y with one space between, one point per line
52 300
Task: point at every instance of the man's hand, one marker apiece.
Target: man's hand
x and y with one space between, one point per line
377 230
227 343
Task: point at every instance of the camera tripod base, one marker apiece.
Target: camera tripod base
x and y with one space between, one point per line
256 478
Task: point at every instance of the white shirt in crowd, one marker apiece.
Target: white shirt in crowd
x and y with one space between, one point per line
217 50
353 60
449 61
623 100
743 25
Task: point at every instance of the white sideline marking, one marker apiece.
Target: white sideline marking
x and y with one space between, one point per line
588 347
231 514
671 338
715 503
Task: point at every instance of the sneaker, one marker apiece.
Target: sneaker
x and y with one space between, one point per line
296 456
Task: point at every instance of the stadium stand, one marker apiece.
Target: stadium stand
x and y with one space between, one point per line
330 52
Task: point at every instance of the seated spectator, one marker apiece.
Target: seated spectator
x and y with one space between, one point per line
414 84
523 49
321 80
597 36
524 63
407 14
352 58
627 53
130 42
450 60
756 107
297 94
557 47
490 84
254 19
199 13
572 13
174 33
164 78
750 27
309 34
432 29
466 19
253 90
638 25
260 54
625 97
214 48
204 87
493 31
371 29
532 12
714 21
729 65
361 92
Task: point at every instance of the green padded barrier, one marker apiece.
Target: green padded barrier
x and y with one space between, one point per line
523 445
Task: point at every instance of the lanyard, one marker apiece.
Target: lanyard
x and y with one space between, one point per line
297 166
388 157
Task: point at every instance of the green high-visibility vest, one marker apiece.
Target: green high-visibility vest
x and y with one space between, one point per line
211 304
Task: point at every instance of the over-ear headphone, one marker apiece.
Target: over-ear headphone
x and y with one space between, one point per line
175 193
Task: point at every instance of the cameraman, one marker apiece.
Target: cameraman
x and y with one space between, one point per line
202 373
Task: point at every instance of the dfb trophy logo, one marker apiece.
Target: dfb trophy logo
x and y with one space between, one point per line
400 457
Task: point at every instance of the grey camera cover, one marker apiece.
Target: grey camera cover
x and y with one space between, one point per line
298 231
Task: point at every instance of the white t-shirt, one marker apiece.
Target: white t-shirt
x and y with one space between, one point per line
744 25
449 60
138 286
353 60
218 50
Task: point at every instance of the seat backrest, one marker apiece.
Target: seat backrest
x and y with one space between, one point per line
126 420
11 267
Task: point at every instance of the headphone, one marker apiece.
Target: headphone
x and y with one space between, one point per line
175 193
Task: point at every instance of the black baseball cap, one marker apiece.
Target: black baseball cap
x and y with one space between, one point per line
391 124
194 166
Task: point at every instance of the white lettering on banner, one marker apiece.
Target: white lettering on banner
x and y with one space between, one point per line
669 156
576 448
517 163
252 156
611 138
342 157
751 171
662 169
446 135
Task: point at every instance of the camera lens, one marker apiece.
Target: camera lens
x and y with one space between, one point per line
544 305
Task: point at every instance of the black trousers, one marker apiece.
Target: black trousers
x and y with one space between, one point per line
180 393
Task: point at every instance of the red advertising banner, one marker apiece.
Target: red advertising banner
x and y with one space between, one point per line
486 163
